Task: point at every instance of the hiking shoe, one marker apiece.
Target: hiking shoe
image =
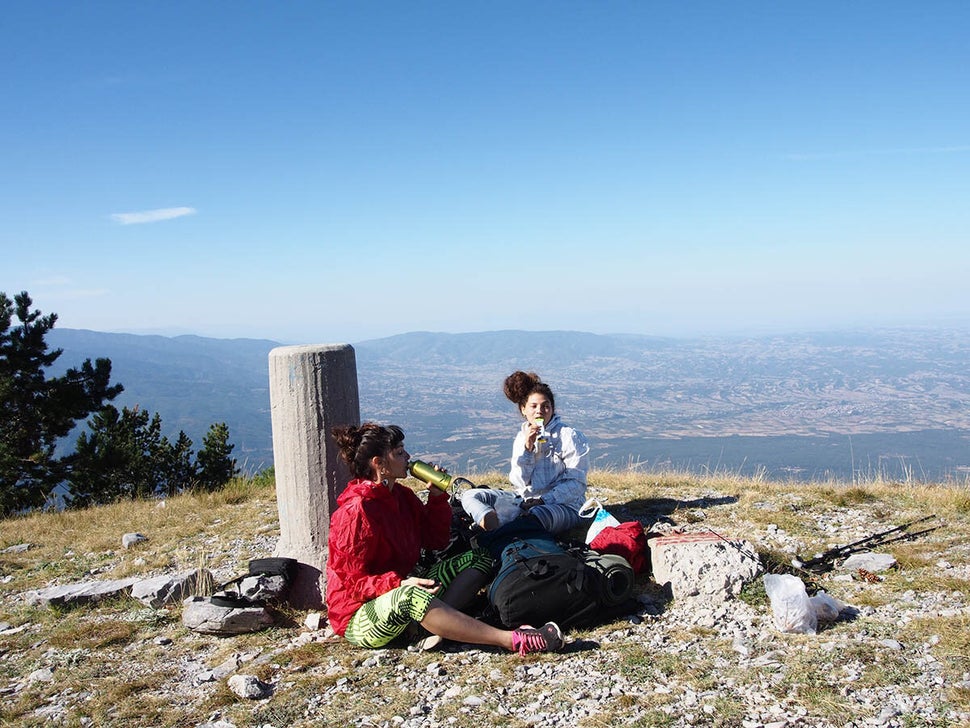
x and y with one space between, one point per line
526 639
428 643
419 639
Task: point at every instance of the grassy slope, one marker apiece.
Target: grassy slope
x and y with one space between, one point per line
111 670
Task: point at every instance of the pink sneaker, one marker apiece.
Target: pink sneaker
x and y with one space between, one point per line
526 639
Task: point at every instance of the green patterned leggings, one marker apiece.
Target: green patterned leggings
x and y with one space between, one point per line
382 619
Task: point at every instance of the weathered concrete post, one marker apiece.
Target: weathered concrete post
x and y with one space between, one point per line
312 388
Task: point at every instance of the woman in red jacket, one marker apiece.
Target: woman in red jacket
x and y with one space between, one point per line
374 589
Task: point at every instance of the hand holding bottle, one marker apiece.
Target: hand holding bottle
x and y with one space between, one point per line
542 435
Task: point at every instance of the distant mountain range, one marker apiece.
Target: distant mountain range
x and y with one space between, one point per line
893 402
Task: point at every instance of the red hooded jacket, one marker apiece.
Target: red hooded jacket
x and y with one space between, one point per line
376 537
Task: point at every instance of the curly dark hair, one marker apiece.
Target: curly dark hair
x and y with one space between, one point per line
359 444
520 385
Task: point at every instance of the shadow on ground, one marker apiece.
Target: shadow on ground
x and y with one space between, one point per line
659 510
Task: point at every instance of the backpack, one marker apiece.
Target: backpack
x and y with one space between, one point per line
540 581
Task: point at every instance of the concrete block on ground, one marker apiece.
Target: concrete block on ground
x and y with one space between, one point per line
704 564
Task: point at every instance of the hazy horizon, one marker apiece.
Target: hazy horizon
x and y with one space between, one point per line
939 325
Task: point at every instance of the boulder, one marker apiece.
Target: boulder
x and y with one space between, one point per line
79 593
704 564
869 561
200 615
167 589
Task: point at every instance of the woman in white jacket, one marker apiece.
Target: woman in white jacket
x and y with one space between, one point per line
549 465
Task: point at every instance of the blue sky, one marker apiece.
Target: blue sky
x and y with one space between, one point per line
319 172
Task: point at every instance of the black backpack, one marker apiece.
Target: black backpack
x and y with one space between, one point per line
539 581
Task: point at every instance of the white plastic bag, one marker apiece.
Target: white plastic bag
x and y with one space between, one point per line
601 518
790 604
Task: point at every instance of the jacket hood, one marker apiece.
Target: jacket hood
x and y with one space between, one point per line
362 489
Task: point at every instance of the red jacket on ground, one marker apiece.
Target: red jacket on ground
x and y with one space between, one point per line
376 537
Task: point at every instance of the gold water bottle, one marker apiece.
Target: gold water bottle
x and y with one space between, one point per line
422 471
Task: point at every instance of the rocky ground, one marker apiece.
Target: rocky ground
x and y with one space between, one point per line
899 654
687 663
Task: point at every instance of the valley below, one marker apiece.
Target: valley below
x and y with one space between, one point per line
891 404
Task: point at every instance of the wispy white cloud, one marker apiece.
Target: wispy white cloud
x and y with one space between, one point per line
52 281
138 218
810 156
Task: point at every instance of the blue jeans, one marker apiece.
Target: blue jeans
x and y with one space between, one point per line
479 502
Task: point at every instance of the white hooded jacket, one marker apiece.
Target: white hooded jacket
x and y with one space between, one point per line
556 471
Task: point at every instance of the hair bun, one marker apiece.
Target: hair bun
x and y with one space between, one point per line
519 385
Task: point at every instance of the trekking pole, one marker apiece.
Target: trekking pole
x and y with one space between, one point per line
907 536
825 561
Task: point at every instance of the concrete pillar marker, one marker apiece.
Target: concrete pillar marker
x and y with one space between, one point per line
312 389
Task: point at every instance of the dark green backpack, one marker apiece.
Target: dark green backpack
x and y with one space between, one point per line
539 580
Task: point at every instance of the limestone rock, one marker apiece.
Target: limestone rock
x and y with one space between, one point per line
313 621
249 687
869 561
79 593
161 590
201 615
130 539
704 564
16 548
